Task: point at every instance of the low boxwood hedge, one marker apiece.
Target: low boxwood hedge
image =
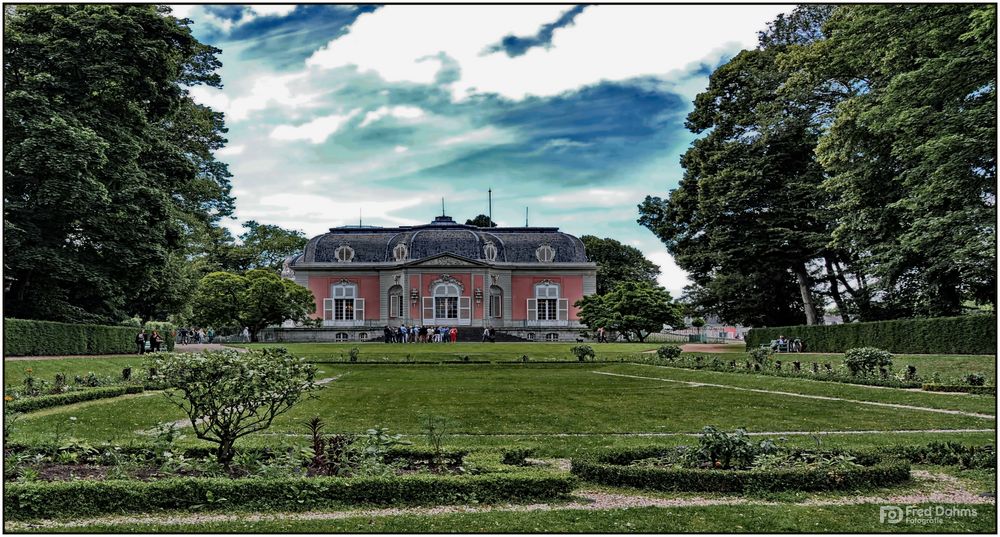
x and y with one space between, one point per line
91 498
960 388
611 468
29 404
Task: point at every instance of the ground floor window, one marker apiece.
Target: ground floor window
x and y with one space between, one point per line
341 336
552 337
531 336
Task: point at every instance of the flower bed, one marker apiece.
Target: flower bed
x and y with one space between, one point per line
654 468
490 482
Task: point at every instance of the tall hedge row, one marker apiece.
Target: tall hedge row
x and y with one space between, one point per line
44 338
972 334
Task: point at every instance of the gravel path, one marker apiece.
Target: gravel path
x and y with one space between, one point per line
949 490
805 396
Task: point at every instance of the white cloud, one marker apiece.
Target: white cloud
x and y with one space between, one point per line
399 112
595 197
265 91
231 150
672 277
272 10
607 42
485 135
314 214
400 149
316 131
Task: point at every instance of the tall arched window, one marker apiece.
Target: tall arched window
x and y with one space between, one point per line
496 301
445 301
547 307
396 303
344 307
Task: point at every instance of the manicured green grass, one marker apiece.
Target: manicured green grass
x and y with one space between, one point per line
547 400
14 371
702 519
395 352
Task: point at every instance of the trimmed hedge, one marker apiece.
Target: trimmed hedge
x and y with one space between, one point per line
971 334
22 337
960 388
611 469
86 498
29 404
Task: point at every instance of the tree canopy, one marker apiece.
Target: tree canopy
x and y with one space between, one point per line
618 263
850 159
262 246
108 164
635 309
481 221
258 299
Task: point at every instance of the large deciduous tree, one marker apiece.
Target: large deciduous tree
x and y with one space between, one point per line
256 300
261 246
749 202
635 309
911 147
108 164
618 263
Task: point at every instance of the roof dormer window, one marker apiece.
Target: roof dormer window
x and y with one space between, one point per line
545 254
344 254
490 252
400 252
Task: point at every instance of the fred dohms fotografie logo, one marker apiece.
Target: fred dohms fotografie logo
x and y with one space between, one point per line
913 514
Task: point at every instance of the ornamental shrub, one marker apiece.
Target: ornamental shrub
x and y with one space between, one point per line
583 352
866 360
228 395
668 352
975 379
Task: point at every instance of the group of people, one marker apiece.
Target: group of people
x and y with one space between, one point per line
427 334
195 335
153 338
784 345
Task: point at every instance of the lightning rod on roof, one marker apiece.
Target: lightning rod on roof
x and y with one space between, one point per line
490 215
442 207
525 217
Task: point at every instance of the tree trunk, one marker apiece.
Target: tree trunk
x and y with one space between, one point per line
807 299
831 276
225 453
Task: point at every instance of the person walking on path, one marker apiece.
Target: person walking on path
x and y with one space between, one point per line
211 334
486 334
246 334
454 334
140 341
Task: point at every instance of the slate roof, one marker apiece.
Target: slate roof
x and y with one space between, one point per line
444 235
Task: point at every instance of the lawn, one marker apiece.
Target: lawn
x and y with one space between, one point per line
550 400
696 519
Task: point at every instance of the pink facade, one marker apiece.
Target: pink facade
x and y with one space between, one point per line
521 281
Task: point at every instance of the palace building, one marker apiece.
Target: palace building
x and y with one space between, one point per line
521 281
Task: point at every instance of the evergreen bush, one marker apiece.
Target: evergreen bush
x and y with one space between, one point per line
970 334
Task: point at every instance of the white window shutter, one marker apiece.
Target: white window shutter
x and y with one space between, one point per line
359 309
532 309
327 309
428 308
464 307
563 310
393 305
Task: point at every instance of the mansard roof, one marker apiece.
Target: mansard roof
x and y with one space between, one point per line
370 244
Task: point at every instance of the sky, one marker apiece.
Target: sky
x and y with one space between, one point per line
576 112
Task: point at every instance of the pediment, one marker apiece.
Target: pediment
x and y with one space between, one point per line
445 260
